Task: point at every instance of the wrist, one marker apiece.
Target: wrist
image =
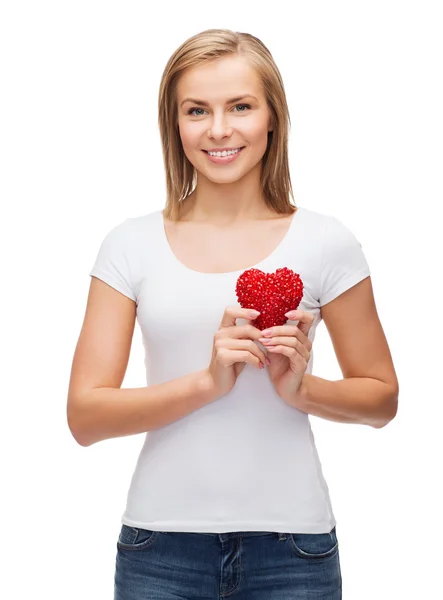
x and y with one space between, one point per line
302 395
299 400
206 386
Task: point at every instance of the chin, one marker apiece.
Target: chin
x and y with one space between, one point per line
224 174
232 178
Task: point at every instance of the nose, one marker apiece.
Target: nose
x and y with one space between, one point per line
219 127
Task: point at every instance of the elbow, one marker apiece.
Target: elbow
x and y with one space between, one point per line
77 434
77 430
81 439
387 409
84 418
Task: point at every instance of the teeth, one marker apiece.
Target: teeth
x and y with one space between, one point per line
224 153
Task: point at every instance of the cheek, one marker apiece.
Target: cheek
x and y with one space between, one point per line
256 132
185 135
191 141
190 134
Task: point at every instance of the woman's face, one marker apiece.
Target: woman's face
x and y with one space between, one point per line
221 106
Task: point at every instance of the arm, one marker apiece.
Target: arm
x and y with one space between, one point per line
97 408
368 394
104 413
362 400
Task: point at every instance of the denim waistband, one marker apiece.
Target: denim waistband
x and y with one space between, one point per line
236 534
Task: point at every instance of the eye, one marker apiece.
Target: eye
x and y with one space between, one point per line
246 105
191 110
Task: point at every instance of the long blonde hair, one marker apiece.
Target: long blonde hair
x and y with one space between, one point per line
210 45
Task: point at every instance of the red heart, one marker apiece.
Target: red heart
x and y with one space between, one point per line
273 294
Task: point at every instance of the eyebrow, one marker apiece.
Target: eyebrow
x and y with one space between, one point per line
202 103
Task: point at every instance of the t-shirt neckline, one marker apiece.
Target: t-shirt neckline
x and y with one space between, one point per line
258 265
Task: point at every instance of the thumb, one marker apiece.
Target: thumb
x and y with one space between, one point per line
303 317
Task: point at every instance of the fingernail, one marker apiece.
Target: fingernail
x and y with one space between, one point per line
268 362
254 314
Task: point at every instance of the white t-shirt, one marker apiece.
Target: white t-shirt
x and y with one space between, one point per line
247 461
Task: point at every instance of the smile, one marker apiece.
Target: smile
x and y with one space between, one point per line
225 156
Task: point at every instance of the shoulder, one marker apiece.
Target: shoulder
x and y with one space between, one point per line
127 239
312 223
321 220
139 223
132 230
120 261
327 229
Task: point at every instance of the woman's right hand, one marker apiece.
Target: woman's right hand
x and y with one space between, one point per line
233 347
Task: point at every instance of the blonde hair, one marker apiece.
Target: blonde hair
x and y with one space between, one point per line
206 46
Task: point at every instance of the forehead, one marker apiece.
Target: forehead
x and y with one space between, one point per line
224 77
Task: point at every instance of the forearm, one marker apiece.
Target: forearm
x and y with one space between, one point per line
361 400
106 413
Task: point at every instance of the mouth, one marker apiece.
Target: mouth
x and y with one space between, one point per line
219 158
227 149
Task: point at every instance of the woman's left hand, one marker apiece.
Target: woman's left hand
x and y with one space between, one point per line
289 350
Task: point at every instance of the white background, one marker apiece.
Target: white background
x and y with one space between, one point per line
80 152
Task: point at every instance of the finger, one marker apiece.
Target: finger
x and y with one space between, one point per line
292 353
288 342
228 357
304 318
241 344
235 312
240 331
287 330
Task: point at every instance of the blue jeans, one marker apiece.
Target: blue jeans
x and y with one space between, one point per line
246 565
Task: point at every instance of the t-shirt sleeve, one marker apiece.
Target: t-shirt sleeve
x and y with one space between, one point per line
343 263
113 262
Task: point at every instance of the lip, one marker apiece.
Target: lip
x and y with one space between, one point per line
222 160
222 149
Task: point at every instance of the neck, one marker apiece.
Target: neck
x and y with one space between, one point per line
225 203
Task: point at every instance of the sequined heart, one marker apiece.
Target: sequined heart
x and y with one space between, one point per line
273 294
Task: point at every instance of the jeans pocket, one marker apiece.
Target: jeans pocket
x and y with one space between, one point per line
135 538
314 545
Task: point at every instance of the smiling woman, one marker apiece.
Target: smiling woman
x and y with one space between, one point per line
229 468
222 90
221 127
